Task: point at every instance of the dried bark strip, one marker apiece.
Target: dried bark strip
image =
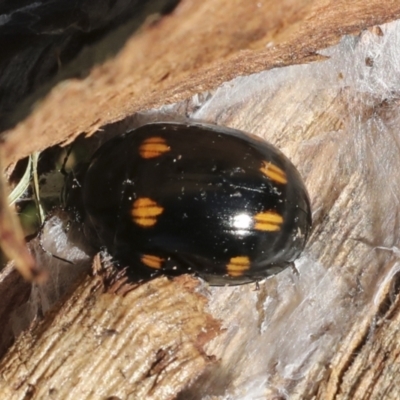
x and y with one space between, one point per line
198 47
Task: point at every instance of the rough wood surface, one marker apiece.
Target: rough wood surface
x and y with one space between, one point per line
14 292
147 352
329 332
367 364
42 43
198 47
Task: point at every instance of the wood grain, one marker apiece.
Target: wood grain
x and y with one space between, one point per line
196 48
328 332
146 351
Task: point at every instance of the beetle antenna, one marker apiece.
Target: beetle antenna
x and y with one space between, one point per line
63 169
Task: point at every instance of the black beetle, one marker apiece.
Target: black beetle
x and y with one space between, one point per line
173 198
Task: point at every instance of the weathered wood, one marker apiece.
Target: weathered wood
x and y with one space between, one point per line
198 47
367 364
120 341
14 292
329 332
39 40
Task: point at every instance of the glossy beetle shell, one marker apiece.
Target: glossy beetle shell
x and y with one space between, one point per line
193 198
